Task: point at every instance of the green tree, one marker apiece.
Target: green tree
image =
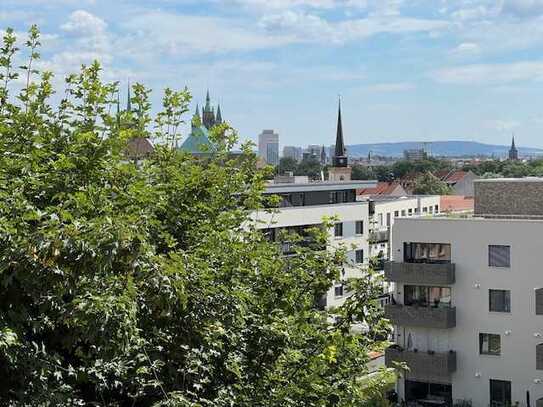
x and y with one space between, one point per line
310 167
287 164
147 284
362 172
428 184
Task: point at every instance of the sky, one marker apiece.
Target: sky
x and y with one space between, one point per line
405 69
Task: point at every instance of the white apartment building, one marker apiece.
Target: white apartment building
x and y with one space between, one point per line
384 210
268 147
467 306
305 205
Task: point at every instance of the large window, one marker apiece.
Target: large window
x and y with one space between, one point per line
359 227
338 230
339 290
489 344
427 252
359 256
423 296
499 256
499 300
500 393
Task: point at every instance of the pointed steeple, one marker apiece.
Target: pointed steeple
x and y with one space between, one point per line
340 156
128 101
513 151
196 118
219 116
323 156
208 101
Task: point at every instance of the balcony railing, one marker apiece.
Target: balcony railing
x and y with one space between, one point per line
379 236
420 273
423 317
423 365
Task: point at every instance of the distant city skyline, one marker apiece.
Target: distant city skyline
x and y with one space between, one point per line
420 70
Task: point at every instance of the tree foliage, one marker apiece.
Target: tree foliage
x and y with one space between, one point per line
429 184
147 284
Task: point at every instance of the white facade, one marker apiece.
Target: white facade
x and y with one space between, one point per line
388 209
268 146
519 330
348 214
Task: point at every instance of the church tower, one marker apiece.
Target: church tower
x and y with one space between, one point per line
513 152
208 114
340 170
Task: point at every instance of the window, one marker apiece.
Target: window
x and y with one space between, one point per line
359 256
489 344
396 214
403 212
416 210
410 211
500 393
539 301
539 357
424 296
436 209
499 300
380 219
388 219
415 252
338 290
338 230
499 256
359 227
431 209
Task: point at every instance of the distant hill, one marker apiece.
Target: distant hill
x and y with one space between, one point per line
438 148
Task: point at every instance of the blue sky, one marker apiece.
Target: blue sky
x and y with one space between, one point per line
406 69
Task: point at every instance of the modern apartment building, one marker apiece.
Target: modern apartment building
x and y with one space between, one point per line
467 304
305 205
268 147
384 210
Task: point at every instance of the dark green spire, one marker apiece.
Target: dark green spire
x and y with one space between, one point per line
219 116
340 156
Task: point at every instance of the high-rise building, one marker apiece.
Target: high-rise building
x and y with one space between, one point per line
416 154
268 147
292 152
513 152
467 308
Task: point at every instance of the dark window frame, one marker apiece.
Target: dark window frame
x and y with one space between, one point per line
490 338
505 396
359 256
338 229
499 259
359 227
505 301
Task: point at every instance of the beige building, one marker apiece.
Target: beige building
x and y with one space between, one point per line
467 304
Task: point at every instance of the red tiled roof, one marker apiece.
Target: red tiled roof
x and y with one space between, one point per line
450 177
456 203
382 188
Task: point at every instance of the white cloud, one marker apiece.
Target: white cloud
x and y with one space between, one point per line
467 48
82 22
522 8
391 87
312 28
490 73
501 125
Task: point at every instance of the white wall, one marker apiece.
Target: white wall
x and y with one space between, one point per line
469 239
347 213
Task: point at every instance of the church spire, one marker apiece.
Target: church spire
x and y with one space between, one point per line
513 151
208 101
219 116
340 156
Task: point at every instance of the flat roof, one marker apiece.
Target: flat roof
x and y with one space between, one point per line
318 186
525 179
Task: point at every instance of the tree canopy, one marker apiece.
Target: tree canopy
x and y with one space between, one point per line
146 283
429 184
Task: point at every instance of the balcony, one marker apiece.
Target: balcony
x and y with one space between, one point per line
379 236
423 317
420 273
423 366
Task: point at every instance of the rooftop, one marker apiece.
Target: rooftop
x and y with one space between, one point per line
319 186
